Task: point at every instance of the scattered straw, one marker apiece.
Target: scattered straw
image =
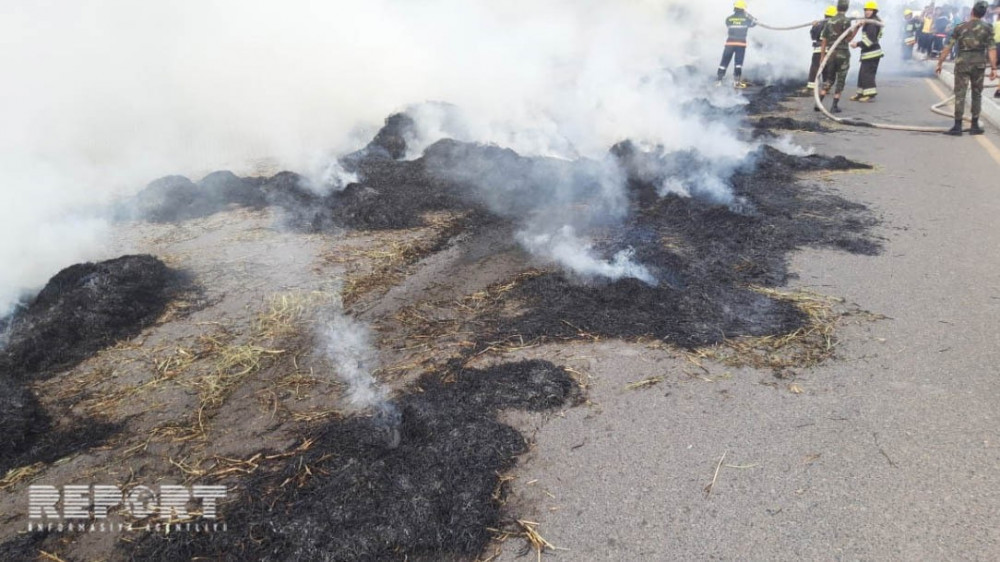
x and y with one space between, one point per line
310 416
376 270
21 474
711 485
808 346
645 383
536 540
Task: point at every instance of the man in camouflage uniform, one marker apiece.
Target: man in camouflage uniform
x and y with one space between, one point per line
840 58
974 39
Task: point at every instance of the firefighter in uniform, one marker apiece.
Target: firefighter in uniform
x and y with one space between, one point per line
816 32
910 30
974 39
840 58
736 43
940 31
871 53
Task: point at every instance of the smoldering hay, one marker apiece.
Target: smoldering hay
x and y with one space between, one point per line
116 93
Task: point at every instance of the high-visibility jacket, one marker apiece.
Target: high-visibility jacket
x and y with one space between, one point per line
738 24
870 34
928 22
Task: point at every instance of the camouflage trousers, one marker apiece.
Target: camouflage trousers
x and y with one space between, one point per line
967 72
835 73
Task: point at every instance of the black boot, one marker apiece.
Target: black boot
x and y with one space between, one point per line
835 108
955 131
976 129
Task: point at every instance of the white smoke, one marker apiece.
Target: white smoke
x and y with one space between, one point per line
703 184
102 96
566 249
784 143
327 176
347 343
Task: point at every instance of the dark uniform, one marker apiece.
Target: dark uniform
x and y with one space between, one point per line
940 31
816 33
973 38
840 60
871 54
736 43
910 31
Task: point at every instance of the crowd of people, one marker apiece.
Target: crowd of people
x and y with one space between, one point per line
964 34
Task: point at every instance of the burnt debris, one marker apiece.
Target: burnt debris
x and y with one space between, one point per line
705 254
764 126
82 309
176 198
422 481
706 229
434 495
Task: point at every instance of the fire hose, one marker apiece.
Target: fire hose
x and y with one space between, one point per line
936 108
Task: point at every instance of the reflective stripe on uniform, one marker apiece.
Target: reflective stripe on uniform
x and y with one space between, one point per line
871 54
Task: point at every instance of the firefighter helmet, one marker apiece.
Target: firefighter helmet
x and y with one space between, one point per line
830 11
740 5
871 5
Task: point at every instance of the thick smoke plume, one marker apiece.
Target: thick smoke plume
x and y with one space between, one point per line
116 93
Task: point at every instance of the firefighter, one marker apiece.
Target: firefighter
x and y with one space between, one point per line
736 43
871 54
974 40
940 31
816 33
910 29
840 58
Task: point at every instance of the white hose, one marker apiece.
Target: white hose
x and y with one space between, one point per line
765 26
936 108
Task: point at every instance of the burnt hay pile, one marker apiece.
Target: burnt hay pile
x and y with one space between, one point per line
704 254
81 310
434 495
703 250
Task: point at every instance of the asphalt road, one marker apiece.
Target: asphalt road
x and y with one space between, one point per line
890 452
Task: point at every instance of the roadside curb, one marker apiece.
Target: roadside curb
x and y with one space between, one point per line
991 109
